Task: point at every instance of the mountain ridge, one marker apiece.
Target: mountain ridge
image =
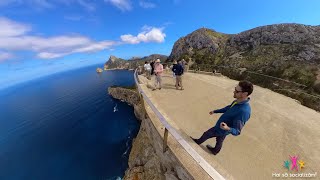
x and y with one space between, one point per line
118 63
264 55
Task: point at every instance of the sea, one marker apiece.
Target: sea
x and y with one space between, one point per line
65 126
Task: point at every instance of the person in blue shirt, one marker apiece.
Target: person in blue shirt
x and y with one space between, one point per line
232 120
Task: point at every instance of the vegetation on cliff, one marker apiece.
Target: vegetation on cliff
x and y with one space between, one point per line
290 52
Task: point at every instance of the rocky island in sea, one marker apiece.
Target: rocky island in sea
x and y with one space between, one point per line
99 70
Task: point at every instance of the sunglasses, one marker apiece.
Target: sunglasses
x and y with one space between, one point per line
235 90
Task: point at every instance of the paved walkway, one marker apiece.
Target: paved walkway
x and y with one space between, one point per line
279 126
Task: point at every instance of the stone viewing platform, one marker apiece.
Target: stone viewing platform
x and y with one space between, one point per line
279 127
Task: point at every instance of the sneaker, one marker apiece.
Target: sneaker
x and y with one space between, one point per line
195 140
211 149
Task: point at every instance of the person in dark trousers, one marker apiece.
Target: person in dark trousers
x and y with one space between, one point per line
152 67
232 120
178 71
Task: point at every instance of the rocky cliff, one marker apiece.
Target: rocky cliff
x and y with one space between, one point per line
114 62
287 51
146 160
118 63
290 51
131 96
200 42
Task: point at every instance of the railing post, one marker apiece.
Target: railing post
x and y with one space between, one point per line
140 95
165 139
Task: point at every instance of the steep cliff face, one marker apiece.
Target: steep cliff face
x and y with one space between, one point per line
131 96
118 63
114 62
199 43
143 160
146 161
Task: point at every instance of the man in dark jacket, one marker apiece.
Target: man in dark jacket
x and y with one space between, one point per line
232 120
178 71
152 67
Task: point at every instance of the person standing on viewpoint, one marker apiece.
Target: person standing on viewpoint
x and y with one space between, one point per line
152 67
232 120
171 67
158 69
147 70
178 71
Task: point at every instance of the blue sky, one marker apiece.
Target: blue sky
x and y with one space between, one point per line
40 37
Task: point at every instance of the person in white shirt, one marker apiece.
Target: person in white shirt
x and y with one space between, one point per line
147 70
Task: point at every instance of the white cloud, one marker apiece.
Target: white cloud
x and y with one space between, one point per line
36 43
149 34
17 37
96 46
5 56
53 47
128 38
147 5
93 47
14 37
123 5
11 28
47 55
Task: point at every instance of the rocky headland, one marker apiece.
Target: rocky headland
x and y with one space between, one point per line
146 160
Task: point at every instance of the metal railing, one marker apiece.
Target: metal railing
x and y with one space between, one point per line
272 77
302 86
168 128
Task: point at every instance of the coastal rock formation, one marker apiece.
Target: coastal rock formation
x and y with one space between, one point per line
146 160
290 51
143 161
202 41
99 70
131 96
287 51
134 62
115 63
